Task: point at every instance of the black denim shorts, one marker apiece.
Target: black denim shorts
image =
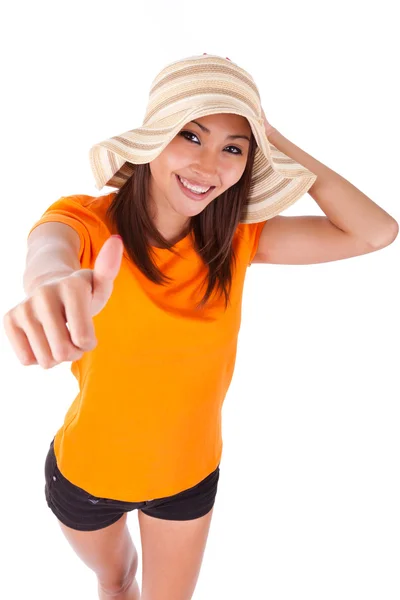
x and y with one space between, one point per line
78 509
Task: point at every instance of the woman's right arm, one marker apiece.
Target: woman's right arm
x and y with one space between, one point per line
54 323
52 251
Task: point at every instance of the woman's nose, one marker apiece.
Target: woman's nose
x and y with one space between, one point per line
206 169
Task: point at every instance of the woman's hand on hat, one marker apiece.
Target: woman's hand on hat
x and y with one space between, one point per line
268 127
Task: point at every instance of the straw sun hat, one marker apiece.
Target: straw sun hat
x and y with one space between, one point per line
191 88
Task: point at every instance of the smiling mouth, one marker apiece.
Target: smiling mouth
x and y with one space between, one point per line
195 194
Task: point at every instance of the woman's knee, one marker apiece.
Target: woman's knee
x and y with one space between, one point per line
118 582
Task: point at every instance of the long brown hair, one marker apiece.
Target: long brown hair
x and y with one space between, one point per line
213 228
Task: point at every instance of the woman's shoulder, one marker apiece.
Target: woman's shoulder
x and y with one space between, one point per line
96 203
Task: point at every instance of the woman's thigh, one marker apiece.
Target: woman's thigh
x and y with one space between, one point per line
172 554
174 534
109 552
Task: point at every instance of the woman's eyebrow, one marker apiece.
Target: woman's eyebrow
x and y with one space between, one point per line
228 137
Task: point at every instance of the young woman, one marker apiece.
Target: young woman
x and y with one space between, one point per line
150 319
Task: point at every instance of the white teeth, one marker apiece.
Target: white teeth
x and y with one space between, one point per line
193 188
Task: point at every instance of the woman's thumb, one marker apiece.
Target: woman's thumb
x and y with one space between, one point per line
108 261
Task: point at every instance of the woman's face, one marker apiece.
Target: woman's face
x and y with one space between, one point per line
210 151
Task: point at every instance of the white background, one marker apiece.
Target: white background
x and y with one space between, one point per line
308 499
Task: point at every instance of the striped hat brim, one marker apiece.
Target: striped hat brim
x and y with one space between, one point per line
277 180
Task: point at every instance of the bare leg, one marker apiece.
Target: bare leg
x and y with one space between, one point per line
172 553
111 554
132 593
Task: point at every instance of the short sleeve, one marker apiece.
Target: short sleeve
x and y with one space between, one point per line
73 211
253 236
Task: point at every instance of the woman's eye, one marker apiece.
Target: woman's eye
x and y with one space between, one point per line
238 150
189 133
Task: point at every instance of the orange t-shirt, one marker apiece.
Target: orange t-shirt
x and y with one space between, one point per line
146 422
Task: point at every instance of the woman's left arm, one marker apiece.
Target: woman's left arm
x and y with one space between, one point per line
344 204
